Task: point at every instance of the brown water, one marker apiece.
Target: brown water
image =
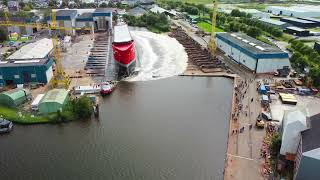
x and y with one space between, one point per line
170 129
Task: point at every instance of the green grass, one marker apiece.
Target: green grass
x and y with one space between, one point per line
314 29
196 1
257 6
285 37
206 27
265 40
26 118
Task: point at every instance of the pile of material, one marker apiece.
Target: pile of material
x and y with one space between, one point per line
197 55
266 169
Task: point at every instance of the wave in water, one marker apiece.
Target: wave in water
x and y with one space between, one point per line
159 56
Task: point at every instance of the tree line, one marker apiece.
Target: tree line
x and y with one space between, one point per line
240 21
190 8
155 22
305 57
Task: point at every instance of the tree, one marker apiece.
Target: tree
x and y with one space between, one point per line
315 76
5 2
26 8
3 35
275 145
82 107
53 4
103 5
254 32
235 13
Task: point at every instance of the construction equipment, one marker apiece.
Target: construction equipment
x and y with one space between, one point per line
212 43
60 79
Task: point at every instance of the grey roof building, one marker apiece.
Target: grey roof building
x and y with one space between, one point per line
307 163
252 53
137 11
274 23
299 22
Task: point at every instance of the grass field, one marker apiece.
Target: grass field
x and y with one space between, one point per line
12 115
206 27
196 1
315 29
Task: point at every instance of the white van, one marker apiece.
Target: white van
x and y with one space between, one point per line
36 102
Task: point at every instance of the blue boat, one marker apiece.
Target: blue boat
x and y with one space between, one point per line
5 126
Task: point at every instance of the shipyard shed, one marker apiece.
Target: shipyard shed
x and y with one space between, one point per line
317 46
257 56
299 22
53 101
97 19
297 31
14 97
274 23
317 21
295 11
30 64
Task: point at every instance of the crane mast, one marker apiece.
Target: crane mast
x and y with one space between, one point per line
60 78
212 42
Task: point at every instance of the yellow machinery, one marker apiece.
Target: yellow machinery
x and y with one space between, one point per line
212 43
60 78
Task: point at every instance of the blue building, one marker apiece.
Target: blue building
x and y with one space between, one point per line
255 55
74 19
30 64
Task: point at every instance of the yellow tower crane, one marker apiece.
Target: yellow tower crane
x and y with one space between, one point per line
60 78
212 43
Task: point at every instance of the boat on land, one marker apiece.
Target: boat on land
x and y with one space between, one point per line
5 126
107 87
124 52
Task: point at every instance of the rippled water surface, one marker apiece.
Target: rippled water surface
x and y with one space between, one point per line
173 129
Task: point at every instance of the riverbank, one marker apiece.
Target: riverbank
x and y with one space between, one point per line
23 118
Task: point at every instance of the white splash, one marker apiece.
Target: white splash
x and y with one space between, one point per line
159 56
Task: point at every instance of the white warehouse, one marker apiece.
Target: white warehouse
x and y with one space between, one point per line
257 56
301 11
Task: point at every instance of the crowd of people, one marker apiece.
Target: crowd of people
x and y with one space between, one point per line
240 92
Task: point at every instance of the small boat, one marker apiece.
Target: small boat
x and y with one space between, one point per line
5 126
107 87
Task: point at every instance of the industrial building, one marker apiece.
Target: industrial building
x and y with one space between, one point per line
95 19
307 161
14 97
66 18
256 13
317 21
297 31
53 101
299 22
137 11
23 30
317 46
32 63
274 23
253 54
295 11
293 122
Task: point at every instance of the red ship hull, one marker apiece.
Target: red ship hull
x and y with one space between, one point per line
124 56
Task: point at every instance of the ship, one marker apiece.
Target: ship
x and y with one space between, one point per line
124 52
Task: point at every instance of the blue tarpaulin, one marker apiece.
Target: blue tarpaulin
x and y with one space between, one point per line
262 89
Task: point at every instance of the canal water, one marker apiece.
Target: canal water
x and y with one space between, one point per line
169 129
